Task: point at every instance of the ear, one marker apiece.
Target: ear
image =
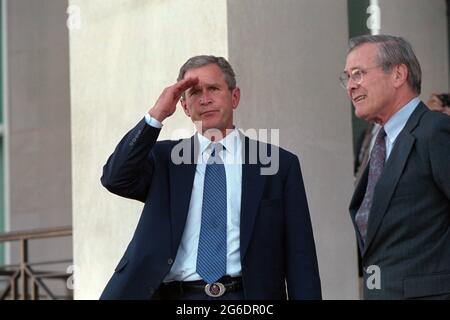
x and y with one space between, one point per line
399 75
235 97
185 107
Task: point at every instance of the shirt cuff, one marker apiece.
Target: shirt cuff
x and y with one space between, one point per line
152 121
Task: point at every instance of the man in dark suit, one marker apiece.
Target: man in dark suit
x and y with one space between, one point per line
211 228
400 208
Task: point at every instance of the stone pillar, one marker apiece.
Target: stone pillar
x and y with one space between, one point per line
424 25
288 55
38 121
123 54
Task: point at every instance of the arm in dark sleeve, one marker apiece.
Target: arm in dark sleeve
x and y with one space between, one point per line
129 170
303 279
439 147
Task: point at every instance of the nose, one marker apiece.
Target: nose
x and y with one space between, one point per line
351 85
205 97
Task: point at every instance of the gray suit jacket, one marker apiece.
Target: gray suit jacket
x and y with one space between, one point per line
408 235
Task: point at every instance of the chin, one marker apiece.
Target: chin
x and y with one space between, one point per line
359 114
212 122
208 126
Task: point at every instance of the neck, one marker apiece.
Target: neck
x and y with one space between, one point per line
216 134
399 102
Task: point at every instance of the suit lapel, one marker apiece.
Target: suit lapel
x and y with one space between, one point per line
392 172
360 190
357 199
252 190
181 177
387 183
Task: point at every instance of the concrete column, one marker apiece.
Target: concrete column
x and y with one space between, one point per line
37 59
424 25
288 55
122 56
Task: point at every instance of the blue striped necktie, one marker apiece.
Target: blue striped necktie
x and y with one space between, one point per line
212 246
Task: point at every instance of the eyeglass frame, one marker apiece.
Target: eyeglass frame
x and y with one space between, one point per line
344 78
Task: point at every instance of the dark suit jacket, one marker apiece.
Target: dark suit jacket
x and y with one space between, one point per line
408 233
276 239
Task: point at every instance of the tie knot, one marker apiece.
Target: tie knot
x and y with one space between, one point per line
379 140
216 148
381 133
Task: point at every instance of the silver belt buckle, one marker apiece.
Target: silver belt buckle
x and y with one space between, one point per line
215 290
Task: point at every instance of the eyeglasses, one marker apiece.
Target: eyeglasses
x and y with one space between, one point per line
356 75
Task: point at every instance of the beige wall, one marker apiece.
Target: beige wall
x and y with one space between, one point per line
123 56
424 24
288 54
39 123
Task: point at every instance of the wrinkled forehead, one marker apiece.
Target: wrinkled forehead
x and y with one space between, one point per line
363 56
211 72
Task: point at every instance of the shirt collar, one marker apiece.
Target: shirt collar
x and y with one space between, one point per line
397 122
231 142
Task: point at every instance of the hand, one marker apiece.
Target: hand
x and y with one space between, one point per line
166 104
434 103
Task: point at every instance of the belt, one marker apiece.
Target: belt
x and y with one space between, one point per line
217 289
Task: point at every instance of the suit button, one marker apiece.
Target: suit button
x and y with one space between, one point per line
170 261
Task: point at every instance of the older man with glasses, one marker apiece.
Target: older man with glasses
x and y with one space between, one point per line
401 206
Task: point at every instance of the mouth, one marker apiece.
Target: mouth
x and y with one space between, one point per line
359 98
209 112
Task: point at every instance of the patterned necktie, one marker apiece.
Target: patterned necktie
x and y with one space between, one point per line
212 246
376 164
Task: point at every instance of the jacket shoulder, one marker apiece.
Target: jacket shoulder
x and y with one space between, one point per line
165 145
271 150
432 123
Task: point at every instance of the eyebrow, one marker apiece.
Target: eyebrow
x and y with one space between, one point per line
208 85
354 68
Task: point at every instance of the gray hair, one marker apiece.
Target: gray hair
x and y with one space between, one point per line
393 51
200 61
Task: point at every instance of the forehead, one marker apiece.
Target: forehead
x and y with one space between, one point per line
363 56
210 73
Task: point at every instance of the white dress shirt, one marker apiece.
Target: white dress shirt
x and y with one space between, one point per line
184 266
397 122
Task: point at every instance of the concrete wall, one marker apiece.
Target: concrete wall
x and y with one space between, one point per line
424 25
122 57
288 55
39 123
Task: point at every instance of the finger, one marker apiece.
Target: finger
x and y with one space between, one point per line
185 84
434 104
436 100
